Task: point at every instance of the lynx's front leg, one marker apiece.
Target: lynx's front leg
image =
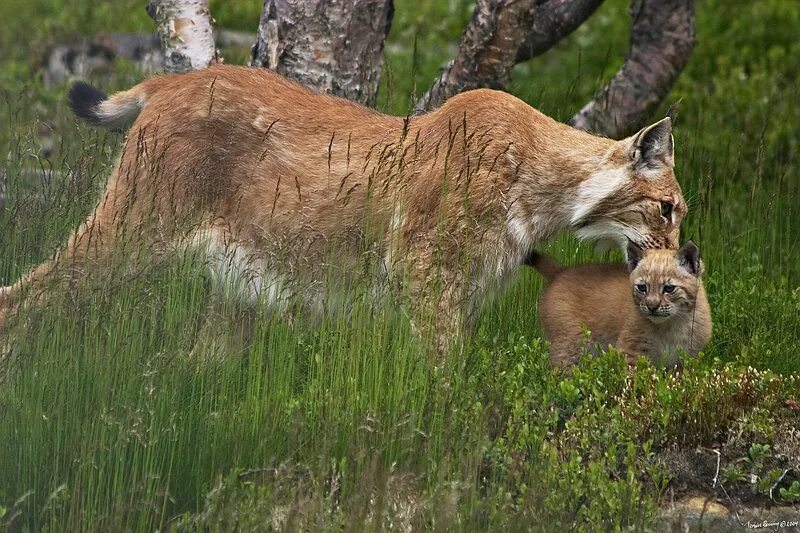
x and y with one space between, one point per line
631 349
437 308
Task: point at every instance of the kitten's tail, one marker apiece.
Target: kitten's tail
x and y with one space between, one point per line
546 265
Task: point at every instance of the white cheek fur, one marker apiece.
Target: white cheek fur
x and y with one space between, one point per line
595 189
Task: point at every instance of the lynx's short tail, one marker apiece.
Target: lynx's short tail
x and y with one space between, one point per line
546 265
115 113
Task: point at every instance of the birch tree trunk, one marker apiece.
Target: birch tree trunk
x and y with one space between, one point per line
505 32
488 50
662 39
555 19
334 47
186 33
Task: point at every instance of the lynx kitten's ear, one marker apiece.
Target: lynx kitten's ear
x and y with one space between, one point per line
635 254
689 259
653 147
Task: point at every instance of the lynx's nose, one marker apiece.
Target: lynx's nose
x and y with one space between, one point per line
652 306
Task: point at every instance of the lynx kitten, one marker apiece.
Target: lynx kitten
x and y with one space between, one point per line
654 306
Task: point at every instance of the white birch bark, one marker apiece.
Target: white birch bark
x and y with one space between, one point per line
186 33
333 46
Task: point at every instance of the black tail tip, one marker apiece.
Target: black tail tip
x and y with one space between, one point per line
84 99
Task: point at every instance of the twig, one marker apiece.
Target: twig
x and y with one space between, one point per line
716 474
733 505
253 471
776 484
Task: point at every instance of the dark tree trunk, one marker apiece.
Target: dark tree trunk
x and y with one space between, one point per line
487 52
187 38
662 38
334 47
555 19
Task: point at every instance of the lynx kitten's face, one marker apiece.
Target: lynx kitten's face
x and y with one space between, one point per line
664 283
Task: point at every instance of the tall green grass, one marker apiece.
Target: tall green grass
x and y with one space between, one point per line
136 405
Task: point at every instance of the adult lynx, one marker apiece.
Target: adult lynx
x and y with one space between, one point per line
278 184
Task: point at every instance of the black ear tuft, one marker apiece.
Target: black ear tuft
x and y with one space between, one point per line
84 99
635 255
689 258
653 146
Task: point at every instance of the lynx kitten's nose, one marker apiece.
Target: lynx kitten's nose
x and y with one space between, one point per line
652 306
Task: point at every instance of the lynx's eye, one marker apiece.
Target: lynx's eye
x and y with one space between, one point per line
641 287
669 289
666 210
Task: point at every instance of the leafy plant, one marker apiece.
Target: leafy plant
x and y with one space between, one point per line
792 494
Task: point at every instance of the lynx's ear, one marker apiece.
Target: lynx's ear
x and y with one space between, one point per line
653 147
635 255
689 259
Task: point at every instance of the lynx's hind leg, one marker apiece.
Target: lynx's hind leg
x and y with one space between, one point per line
121 231
71 261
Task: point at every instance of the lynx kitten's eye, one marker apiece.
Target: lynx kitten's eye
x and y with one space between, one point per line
666 210
669 289
641 287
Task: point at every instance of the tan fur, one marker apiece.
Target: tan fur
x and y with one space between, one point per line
120 111
603 299
291 184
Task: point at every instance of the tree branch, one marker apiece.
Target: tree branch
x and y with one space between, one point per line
487 52
184 27
555 19
334 47
662 38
